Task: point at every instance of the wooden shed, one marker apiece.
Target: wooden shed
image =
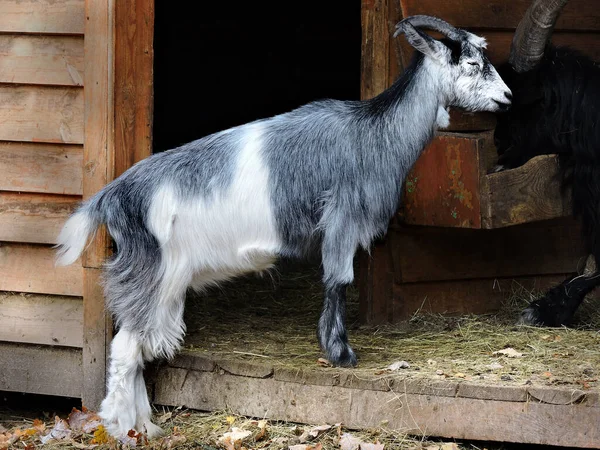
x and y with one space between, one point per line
75 111
81 87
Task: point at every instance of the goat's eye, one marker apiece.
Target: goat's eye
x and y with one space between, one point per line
473 63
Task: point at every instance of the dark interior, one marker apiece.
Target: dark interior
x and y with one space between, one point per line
222 64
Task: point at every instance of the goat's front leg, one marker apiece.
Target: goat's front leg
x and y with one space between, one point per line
338 254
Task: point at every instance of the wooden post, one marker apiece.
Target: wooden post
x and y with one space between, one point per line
118 133
98 152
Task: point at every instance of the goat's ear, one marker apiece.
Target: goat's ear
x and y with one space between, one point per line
424 43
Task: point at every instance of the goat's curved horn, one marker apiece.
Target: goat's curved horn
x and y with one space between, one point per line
533 34
431 23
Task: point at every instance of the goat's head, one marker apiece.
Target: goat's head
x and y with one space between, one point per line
522 132
471 81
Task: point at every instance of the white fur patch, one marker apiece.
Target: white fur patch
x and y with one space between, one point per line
72 238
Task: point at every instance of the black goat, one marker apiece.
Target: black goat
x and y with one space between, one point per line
556 110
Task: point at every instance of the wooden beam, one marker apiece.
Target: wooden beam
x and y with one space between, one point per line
41 114
375 59
45 60
42 16
134 90
44 168
448 410
40 369
41 319
98 171
30 268
580 15
33 218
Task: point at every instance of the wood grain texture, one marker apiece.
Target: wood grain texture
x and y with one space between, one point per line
97 333
45 60
437 415
434 254
528 193
33 218
30 268
98 149
41 319
45 168
375 50
40 369
580 15
442 189
134 58
42 16
99 163
41 114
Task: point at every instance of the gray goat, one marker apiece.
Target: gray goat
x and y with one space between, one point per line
326 176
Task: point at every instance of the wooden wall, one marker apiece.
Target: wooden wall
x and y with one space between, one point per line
462 270
41 181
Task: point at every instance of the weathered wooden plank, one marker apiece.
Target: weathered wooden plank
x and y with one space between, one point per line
33 218
528 193
431 253
443 189
99 163
41 319
446 416
97 333
56 60
375 51
42 16
456 297
40 369
134 93
578 15
41 114
499 43
44 168
30 268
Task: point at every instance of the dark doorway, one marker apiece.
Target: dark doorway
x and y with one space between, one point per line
222 64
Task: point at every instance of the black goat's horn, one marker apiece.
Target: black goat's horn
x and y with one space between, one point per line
430 23
534 33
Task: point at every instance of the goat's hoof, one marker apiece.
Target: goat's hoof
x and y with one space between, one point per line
344 358
152 431
531 316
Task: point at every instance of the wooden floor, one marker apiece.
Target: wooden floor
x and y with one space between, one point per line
451 409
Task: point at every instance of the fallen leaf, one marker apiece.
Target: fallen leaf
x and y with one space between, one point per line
547 374
60 431
449 446
313 433
459 375
324 362
305 447
101 436
86 421
172 440
398 365
509 353
29 447
230 420
39 425
233 439
349 442
166 416
262 432
375 446
495 366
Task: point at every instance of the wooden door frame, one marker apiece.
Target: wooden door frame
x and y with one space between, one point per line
118 93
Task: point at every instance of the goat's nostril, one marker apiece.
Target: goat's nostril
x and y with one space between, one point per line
508 95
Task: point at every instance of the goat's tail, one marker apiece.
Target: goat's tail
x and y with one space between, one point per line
72 240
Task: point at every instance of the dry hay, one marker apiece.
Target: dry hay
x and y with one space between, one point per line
274 318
